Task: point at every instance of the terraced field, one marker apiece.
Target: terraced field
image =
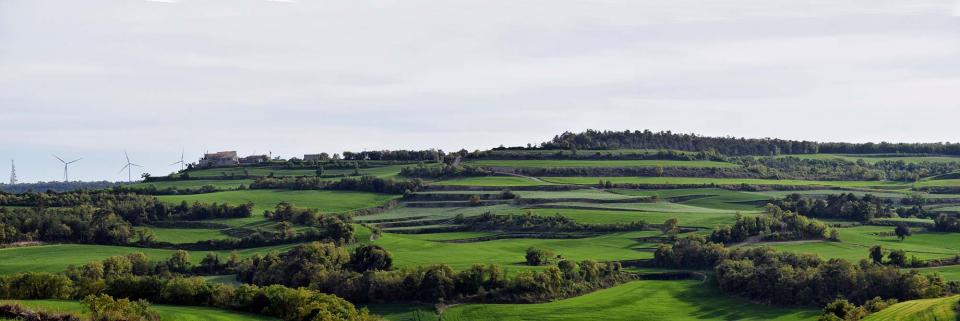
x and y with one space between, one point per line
872 159
856 241
167 312
56 258
595 163
639 300
940 309
221 184
493 181
326 201
722 181
187 235
379 171
413 250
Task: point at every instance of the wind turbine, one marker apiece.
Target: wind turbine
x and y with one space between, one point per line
66 165
177 162
129 167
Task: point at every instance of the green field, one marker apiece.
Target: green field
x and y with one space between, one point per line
404 312
874 158
494 181
167 312
325 201
949 273
939 309
379 171
56 258
587 216
639 300
221 184
595 163
720 181
414 250
187 235
856 241
939 182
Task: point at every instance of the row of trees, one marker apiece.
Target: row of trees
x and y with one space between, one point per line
364 184
732 146
528 222
844 206
447 170
774 225
786 278
366 275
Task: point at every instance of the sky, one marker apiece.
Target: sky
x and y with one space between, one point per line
94 78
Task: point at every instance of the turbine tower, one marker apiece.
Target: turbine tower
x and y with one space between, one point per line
129 167
13 173
181 162
66 167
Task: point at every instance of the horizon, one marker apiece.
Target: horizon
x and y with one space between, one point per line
302 77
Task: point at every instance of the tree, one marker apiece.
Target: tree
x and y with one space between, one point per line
475 200
659 171
670 227
842 310
898 258
179 261
902 231
145 237
876 254
537 256
371 258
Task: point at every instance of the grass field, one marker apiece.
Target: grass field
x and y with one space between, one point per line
721 181
856 241
167 312
595 163
939 182
715 198
379 171
326 201
221 184
949 273
939 309
56 258
187 235
495 181
639 300
413 250
874 158
586 216
404 312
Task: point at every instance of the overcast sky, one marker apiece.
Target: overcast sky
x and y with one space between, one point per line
92 78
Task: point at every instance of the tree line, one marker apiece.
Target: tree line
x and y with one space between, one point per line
773 225
364 184
732 146
786 278
366 275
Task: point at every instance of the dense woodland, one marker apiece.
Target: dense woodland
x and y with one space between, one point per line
773 225
731 146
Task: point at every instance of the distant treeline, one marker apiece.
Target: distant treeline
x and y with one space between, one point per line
773 225
732 146
506 153
55 186
538 223
363 184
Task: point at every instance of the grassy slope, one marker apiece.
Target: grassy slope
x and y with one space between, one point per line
196 184
505 181
640 300
413 250
876 158
326 201
187 235
856 241
167 312
722 181
589 216
940 309
56 258
379 171
596 163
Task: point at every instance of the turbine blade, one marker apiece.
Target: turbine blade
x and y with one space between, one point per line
123 168
132 164
58 157
175 163
127 156
74 161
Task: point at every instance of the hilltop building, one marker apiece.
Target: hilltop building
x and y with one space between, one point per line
226 158
254 159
